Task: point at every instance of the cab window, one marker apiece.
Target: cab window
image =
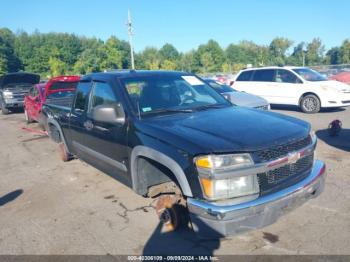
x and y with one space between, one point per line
102 94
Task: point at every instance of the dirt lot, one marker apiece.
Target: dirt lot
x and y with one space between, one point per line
51 207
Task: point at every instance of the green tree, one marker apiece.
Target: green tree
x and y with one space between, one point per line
168 52
9 62
333 56
57 67
211 56
278 48
298 55
151 58
189 62
314 52
345 52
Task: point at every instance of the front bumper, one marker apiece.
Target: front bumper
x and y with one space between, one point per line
341 100
13 103
213 220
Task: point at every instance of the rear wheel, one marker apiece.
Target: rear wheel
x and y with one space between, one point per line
310 104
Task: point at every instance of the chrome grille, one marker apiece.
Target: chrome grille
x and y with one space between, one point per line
281 150
285 176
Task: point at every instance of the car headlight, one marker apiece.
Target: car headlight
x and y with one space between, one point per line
8 94
215 188
230 188
217 162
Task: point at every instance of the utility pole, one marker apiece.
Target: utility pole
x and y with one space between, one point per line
130 33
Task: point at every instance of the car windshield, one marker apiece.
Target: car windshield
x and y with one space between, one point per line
170 93
309 74
221 88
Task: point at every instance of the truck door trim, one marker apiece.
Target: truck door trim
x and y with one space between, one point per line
100 156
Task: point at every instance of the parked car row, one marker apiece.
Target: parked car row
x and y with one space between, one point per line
220 168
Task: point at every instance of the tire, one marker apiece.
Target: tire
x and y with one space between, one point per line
4 110
310 104
27 117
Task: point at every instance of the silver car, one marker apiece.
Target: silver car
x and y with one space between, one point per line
239 98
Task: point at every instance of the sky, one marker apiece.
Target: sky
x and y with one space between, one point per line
184 23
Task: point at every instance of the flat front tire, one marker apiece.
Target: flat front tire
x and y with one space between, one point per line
310 104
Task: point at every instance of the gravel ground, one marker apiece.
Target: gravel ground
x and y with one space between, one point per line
51 207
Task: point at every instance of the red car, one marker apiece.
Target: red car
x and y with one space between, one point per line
342 77
58 90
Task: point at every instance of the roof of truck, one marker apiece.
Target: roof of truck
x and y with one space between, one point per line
125 73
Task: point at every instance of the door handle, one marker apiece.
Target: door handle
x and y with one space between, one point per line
88 125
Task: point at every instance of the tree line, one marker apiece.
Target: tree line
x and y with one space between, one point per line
52 54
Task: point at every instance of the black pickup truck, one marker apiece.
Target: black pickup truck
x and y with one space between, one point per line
223 168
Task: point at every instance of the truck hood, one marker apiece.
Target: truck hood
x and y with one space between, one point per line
230 129
332 84
245 99
19 78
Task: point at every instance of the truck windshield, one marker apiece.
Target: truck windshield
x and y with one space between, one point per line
309 74
171 94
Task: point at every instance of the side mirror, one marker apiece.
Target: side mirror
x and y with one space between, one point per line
109 114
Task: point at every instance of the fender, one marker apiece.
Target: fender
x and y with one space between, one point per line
51 120
162 159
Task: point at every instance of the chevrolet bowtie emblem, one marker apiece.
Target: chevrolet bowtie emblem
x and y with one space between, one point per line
293 157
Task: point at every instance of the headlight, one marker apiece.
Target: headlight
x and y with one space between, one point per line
217 162
215 188
230 188
8 94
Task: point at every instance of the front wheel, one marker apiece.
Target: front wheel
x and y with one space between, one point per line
310 104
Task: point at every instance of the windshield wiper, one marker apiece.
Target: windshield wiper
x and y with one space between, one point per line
170 110
205 107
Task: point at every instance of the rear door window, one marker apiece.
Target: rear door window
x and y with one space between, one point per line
245 76
81 98
264 75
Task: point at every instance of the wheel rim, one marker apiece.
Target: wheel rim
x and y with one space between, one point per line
310 104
